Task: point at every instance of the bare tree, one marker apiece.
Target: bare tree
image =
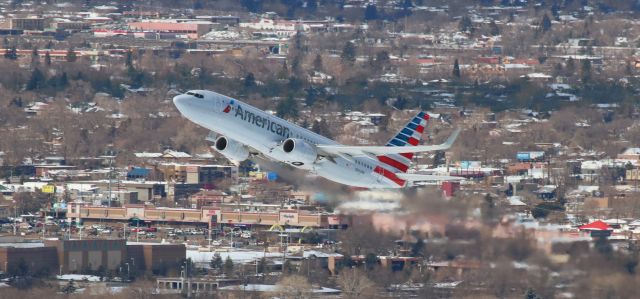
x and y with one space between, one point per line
355 284
293 287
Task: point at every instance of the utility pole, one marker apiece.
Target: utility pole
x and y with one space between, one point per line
109 184
284 255
15 220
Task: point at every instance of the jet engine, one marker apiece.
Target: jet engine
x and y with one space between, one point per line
231 149
299 153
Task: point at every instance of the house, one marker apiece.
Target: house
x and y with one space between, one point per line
547 193
632 153
138 173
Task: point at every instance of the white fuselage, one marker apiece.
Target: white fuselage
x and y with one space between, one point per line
264 133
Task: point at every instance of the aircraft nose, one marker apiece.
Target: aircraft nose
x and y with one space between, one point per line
180 101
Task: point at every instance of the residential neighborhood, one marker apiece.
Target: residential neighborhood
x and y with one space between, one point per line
106 189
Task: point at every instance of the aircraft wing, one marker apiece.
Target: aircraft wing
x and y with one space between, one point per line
337 150
427 177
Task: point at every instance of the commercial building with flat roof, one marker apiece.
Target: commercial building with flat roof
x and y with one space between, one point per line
35 256
158 259
79 255
27 23
205 215
189 29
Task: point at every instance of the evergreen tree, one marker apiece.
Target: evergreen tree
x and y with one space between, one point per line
129 60
71 55
249 81
317 63
11 53
546 23
349 52
603 246
494 29
417 247
407 4
216 262
284 72
34 56
252 5
456 69
312 5
571 66
311 96
36 81
321 127
228 266
531 294
586 70
299 41
262 265
59 83
287 108
382 59
370 261
465 24
47 59
69 288
370 12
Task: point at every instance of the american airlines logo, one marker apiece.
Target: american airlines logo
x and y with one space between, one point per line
260 121
227 110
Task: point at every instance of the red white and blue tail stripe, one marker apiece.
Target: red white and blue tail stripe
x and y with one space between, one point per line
409 136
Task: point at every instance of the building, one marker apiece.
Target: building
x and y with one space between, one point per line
158 259
147 190
70 25
81 255
225 20
187 29
207 198
195 174
268 216
27 23
35 256
632 154
5 210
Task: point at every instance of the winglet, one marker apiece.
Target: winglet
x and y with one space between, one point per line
451 139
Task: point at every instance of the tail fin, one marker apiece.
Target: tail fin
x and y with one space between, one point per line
410 135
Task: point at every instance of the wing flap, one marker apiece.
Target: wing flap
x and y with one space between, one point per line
427 177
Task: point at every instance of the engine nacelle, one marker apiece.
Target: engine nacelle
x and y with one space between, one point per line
299 153
231 149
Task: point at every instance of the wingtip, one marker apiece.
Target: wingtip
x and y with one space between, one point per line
453 136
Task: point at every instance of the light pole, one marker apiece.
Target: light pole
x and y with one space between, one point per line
15 219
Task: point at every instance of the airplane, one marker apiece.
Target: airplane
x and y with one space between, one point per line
240 131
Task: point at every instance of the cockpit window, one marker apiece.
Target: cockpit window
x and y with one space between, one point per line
197 95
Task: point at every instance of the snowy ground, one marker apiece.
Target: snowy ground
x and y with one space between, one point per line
272 288
78 277
242 257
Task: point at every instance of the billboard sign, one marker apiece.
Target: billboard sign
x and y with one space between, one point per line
48 189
